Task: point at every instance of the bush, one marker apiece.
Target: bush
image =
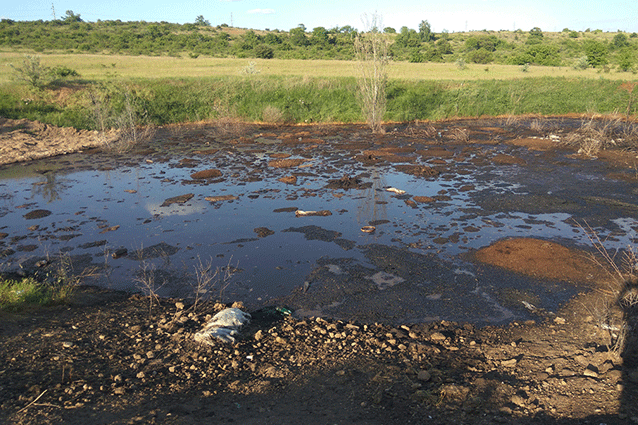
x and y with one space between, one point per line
481 55
32 71
263 51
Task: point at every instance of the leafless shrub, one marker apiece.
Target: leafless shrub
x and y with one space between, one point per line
145 282
421 129
209 280
371 52
617 307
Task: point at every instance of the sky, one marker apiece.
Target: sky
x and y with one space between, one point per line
443 15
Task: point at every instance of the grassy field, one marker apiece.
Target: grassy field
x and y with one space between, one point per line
109 67
164 90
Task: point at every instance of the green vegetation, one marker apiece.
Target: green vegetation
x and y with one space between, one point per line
96 75
199 39
256 97
17 295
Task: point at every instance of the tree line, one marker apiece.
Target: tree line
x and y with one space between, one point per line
71 34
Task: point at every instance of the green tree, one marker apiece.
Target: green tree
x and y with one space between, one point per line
70 17
263 51
408 38
535 36
596 53
202 22
425 31
298 36
389 30
626 60
620 40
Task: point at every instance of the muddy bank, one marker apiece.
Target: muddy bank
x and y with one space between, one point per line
476 224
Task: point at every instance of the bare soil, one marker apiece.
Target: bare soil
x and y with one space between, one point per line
111 357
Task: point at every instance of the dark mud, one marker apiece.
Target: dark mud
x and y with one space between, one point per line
475 223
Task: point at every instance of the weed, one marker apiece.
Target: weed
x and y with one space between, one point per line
273 115
617 309
461 135
210 280
371 51
145 282
250 69
597 134
116 108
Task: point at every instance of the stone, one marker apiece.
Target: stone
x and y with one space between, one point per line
206 174
35 214
437 337
424 376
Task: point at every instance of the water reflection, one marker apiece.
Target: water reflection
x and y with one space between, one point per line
49 188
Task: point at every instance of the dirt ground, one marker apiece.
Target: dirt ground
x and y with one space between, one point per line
111 357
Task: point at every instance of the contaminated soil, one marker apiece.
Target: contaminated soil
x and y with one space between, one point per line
110 356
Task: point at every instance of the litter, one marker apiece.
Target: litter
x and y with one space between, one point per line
395 190
224 326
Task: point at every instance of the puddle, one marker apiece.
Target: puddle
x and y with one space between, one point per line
245 217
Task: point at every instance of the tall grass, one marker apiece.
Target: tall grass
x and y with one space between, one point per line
305 99
16 295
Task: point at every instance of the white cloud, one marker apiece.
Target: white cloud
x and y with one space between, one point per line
262 11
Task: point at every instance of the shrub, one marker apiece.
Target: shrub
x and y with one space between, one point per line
371 50
32 71
263 51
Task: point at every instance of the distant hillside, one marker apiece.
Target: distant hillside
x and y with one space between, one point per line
568 48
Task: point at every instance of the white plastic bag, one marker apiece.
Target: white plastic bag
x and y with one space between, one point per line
223 326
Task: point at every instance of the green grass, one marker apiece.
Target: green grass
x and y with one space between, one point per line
181 90
18 295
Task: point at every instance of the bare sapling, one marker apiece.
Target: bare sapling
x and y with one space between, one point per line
371 52
209 279
619 311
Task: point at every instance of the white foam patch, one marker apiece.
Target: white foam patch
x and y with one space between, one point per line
385 280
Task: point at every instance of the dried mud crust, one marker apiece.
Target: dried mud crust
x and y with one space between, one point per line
24 140
108 358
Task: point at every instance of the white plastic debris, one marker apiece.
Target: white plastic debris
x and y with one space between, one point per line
223 326
395 190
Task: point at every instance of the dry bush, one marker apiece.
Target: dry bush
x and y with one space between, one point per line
421 129
371 52
537 126
228 127
617 308
211 280
460 135
273 115
597 134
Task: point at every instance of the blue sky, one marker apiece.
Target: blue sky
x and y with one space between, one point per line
451 15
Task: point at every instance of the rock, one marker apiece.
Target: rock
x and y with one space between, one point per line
288 179
35 214
221 198
179 305
509 363
206 174
437 337
119 391
424 376
119 253
423 199
559 321
181 199
262 232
